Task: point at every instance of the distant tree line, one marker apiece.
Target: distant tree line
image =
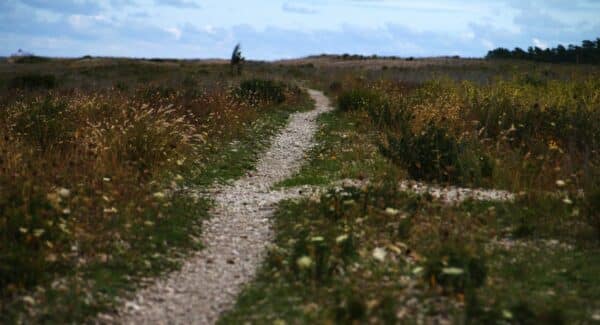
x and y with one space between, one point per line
588 52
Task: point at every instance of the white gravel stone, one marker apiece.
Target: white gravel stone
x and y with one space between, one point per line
235 238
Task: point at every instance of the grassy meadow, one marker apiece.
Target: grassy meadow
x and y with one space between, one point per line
375 254
97 154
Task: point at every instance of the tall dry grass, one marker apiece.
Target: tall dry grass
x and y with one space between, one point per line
81 172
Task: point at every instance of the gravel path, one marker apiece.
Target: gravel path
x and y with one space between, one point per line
235 237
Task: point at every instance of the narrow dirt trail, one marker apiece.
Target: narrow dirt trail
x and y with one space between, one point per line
235 238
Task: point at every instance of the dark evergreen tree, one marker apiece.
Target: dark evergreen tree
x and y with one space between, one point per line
588 53
237 59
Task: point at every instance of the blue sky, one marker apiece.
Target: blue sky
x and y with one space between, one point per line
273 29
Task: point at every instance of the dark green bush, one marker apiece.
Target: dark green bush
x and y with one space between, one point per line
455 270
262 90
350 307
358 99
33 81
435 155
28 59
430 155
28 222
591 199
335 86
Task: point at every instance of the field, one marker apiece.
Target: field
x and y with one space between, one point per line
98 156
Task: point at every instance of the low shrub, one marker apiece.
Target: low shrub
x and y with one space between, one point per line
29 59
455 269
33 81
30 231
430 155
358 99
591 199
350 307
435 155
262 90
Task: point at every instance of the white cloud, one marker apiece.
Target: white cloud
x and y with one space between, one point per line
178 3
209 29
540 44
294 8
176 32
488 44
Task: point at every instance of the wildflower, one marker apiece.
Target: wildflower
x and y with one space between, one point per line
51 258
452 271
111 210
341 238
304 262
379 254
63 192
391 211
54 199
29 300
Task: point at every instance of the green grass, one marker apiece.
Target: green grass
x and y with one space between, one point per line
537 279
94 286
549 278
344 150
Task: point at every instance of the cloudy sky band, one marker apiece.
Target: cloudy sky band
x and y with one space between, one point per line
273 29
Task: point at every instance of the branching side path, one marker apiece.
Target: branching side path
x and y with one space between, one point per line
235 237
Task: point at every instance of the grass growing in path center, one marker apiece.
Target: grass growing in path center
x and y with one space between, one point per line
344 149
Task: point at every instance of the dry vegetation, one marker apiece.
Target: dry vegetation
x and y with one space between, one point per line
91 161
